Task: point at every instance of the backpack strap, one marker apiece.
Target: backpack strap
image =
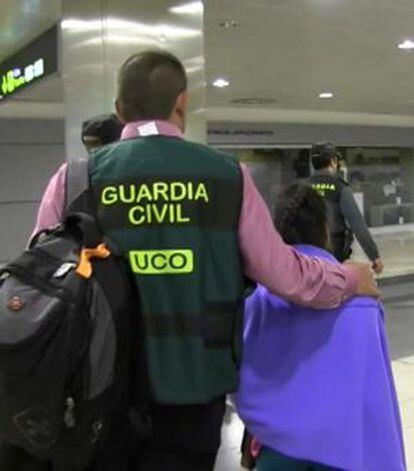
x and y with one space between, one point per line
79 210
78 196
79 199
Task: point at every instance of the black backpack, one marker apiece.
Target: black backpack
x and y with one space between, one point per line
65 336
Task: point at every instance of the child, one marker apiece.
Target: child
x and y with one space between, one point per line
316 388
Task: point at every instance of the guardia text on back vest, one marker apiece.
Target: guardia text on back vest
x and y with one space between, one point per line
330 187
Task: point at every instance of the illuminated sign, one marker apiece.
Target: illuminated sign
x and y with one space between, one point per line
16 78
32 63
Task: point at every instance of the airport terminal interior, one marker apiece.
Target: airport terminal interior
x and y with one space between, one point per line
267 79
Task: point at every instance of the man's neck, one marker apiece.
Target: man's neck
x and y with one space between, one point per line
176 121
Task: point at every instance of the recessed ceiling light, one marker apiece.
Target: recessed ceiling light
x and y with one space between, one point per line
229 24
191 8
326 95
221 83
406 45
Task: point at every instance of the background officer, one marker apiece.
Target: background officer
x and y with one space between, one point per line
345 218
100 131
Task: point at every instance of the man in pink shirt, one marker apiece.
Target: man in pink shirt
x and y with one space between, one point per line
186 435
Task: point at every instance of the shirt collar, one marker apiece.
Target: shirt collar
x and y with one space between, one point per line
150 128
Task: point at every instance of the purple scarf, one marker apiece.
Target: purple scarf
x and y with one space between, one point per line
317 385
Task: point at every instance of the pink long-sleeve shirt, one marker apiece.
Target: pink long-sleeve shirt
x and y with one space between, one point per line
266 258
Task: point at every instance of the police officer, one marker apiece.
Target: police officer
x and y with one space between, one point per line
345 218
193 227
100 131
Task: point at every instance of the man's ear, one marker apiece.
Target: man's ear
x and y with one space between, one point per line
182 101
119 112
180 107
179 111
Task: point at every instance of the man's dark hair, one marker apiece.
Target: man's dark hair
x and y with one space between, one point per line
149 83
322 153
300 216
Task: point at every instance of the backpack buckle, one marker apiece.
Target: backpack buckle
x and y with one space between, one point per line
64 269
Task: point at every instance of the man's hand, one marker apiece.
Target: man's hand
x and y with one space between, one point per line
377 266
367 286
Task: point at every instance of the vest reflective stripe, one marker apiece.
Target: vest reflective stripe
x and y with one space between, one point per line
216 324
173 208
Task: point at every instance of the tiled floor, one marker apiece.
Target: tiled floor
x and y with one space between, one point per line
400 316
396 249
404 378
400 326
229 455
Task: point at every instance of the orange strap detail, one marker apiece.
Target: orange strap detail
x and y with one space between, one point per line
84 268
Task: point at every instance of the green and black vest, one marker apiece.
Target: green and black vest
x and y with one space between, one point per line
330 187
173 208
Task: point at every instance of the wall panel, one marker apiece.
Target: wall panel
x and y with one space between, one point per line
30 152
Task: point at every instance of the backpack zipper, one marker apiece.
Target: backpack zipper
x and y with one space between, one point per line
69 415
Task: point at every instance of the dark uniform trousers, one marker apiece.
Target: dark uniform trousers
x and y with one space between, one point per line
184 438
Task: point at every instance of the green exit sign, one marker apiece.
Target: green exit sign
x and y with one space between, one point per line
17 78
27 66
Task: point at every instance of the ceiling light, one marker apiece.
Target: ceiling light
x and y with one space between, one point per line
406 45
221 83
326 95
192 8
133 28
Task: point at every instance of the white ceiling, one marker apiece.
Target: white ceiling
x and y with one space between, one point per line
21 21
286 51
291 50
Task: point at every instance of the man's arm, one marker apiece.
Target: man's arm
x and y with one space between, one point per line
285 272
356 222
51 207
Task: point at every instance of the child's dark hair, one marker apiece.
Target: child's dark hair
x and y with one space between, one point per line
300 216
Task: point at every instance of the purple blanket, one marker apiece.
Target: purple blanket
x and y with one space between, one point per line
317 385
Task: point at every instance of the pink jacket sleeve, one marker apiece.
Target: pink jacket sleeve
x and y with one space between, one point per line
277 266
